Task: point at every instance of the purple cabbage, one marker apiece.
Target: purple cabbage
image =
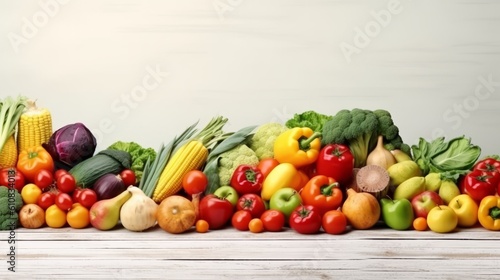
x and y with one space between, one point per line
70 145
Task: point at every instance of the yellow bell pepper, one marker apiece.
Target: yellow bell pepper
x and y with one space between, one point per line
489 212
284 175
299 146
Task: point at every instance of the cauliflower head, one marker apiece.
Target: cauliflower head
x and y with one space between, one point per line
262 142
233 158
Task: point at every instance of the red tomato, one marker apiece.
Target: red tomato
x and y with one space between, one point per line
252 203
76 194
216 211
60 172
128 177
64 201
66 183
266 165
334 222
43 179
12 177
305 219
241 220
194 182
273 220
87 198
46 200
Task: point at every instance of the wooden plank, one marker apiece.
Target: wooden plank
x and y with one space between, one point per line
231 254
156 233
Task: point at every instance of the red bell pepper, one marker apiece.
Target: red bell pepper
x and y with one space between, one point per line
247 179
322 192
478 184
336 161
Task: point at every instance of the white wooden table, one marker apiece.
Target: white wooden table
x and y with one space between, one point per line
230 254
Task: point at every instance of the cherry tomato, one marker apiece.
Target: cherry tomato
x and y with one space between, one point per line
64 201
273 220
87 198
43 179
46 200
11 176
55 217
241 220
420 224
194 182
201 226
30 193
128 177
78 216
76 194
60 172
66 183
334 222
256 225
266 165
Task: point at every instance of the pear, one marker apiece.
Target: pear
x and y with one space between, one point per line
400 155
403 171
448 191
433 182
410 188
105 214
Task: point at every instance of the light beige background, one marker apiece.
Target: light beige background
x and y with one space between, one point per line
433 64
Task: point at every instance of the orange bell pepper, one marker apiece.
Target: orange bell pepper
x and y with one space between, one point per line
32 160
322 192
299 146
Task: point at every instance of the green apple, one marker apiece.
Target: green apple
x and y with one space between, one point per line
397 214
448 190
229 193
466 209
285 200
442 219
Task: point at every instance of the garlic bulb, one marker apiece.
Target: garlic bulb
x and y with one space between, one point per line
139 212
380 155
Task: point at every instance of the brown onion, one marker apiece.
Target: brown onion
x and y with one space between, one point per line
31 216
176 214
361 209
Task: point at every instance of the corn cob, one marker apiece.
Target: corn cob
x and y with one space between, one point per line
8 154
35 127
190 156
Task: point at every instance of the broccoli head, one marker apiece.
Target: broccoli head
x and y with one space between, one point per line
262 142
359 129
10 204
233 158
390 132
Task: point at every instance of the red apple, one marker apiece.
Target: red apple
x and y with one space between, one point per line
424 202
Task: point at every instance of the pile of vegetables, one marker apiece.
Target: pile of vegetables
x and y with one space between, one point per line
314 172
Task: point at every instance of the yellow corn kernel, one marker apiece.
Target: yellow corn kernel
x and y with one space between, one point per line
34 127
8 154
190 156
